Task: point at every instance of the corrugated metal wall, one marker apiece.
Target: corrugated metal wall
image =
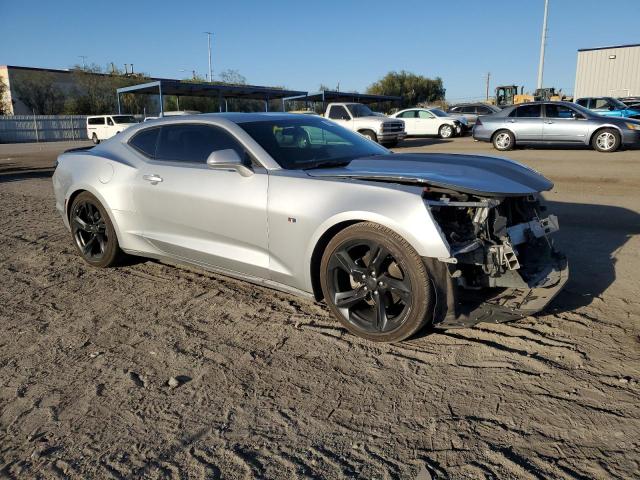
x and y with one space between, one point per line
597 75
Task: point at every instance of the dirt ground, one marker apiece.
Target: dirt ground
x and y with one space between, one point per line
269 386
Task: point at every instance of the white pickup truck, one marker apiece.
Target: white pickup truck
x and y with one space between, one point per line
361 119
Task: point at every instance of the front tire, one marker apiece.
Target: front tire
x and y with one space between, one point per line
370 135
376 284
606 140
504 140
446 131
94 139
92 231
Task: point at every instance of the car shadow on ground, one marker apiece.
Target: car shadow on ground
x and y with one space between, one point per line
11 172
415 142
590 235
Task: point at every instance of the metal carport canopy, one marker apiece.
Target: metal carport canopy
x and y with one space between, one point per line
335 96
221 91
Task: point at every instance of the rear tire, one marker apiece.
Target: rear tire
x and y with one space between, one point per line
94 139
93 233
370 135
606 140
446 131
504 140
376 284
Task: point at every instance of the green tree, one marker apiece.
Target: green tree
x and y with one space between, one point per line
412 88
38 91
4 107
95 92
233 77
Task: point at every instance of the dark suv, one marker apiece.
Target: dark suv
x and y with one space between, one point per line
471 111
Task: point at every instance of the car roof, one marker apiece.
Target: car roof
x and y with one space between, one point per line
235 117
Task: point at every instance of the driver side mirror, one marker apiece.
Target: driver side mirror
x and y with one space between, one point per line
228 160
611 108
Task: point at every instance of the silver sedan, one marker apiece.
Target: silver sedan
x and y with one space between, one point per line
556 123
391 242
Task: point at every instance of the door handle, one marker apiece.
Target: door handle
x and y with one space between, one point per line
153 178
511 121
549 123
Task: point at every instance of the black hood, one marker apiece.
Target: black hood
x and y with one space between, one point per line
475 174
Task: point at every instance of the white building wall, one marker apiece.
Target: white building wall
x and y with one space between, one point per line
598 75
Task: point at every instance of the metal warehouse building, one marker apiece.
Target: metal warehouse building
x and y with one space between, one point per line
608 72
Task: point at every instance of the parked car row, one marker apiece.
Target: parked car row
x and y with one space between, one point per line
557 123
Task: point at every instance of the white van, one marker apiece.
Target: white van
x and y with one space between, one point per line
101 127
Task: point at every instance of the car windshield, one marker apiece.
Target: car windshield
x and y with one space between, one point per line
310 142
359 110
617 103
438 113
124 119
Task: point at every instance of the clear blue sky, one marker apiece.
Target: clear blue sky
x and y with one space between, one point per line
300 44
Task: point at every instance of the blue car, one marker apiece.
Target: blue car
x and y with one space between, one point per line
608 107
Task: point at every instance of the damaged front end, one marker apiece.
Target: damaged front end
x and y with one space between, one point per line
503 264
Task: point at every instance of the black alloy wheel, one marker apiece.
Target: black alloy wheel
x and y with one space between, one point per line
375 283
93 232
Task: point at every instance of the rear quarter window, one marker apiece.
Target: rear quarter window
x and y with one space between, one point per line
95 121
145 141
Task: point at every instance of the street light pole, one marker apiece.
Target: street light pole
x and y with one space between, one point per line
209 45
543 41
83 57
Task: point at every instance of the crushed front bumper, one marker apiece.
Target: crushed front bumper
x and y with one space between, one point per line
461 310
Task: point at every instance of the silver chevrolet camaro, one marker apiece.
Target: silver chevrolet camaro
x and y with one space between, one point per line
391 242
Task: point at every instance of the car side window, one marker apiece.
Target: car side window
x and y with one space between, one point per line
145 141
528 111
109 121
425 114
409 114
583 102
601 103
483 110
560 111
471 110
192 143
96 121
338 112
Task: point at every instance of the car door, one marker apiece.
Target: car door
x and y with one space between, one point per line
526 122
470 114
409 118
187 210
427 123
563 124
340 115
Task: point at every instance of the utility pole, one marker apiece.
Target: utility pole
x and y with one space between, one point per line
83 57
209 44
488 79
543 42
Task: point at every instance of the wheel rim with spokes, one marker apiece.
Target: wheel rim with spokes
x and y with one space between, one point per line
446 131
89 230
503 140
369 287
606 140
